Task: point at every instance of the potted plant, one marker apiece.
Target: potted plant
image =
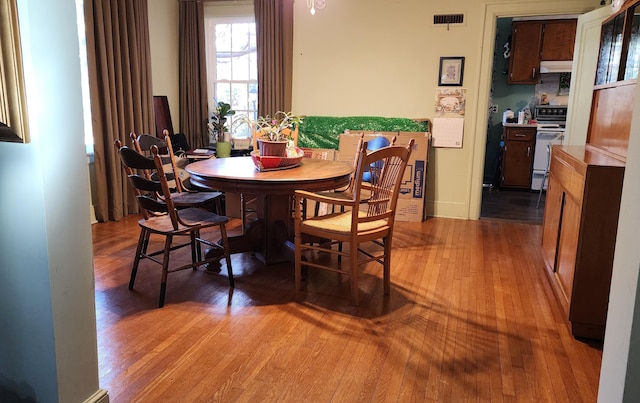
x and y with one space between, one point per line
218 128
274 133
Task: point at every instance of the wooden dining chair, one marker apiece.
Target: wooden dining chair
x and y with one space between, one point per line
163 218
347 192
184 195
361 222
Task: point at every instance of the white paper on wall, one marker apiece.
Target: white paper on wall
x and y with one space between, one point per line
447 132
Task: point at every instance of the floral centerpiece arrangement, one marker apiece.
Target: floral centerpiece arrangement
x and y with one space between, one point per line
218 122
274 133
278 127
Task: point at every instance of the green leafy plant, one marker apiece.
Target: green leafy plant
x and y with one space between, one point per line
274 127
218 122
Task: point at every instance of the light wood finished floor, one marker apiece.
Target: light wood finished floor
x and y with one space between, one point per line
471 317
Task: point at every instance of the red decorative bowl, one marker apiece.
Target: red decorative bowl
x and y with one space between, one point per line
265 163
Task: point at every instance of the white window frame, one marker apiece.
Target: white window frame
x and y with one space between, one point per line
218 13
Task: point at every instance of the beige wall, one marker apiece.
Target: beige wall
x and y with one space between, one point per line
380 57
163 33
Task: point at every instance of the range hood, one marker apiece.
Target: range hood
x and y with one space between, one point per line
562 66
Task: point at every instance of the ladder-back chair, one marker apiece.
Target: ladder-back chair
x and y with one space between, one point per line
161 217
183 194
367 218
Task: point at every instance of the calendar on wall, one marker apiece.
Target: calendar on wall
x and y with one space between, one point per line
447 132
448 125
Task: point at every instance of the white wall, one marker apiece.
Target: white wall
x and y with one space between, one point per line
163 31
621 357
586 56
48 336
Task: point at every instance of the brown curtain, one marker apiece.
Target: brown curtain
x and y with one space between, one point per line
121 94
193 74
274 36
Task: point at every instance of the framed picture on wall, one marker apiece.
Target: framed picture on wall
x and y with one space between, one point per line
451 71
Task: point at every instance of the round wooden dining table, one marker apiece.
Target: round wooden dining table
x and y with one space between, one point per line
273 190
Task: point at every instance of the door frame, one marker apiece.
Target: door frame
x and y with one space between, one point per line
491 12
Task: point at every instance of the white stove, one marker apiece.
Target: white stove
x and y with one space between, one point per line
551 126
550 114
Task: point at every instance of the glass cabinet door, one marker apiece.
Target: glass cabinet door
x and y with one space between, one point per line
633 54
610 50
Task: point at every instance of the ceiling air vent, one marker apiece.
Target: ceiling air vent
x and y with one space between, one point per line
441 19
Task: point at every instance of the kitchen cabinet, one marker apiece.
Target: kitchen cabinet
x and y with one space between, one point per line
533 41
579 232
526 42
517 157
558 39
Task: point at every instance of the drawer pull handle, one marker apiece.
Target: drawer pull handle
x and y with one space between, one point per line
520 135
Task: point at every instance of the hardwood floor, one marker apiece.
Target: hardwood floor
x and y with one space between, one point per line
512 205
471 317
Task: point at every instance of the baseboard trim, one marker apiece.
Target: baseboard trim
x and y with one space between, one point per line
100 396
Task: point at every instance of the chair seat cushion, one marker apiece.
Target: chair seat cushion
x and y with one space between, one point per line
190 216
193 198
340 223
345 195
196 216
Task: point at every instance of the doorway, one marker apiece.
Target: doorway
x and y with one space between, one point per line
492 13
497 202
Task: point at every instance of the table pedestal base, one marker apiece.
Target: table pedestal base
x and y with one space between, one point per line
267 236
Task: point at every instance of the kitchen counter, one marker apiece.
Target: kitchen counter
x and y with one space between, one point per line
519 125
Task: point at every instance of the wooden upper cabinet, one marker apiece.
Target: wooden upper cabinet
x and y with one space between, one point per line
558 39
533 41
524 63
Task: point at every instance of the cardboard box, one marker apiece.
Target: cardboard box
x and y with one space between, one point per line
411 200
328 154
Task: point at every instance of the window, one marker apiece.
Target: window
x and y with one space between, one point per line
84 77
232 72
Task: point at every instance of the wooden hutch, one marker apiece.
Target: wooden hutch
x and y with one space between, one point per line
585 183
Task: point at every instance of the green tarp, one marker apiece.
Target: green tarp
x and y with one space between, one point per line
324 131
